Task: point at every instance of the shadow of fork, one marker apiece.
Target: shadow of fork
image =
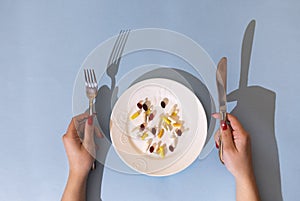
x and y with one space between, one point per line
107 95
103 109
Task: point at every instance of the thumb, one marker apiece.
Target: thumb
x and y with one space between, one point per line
88 141
227 138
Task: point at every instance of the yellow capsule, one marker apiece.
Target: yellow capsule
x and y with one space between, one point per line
161 151
157 146
174 114
177 125
143 137
168 121
161 133
148 112
135 115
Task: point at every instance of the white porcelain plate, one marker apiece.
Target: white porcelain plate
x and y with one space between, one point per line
133 150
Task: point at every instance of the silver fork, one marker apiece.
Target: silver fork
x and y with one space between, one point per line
91 87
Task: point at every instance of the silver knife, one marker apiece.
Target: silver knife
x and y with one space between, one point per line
221 78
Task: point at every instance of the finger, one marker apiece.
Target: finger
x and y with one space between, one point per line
80 131
234 122
217 137
98 132
71 143
71 131
89 129
81 117
227 139
88 140
216 115
80 123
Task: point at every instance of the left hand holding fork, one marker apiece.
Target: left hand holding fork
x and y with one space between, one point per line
81 150
80 145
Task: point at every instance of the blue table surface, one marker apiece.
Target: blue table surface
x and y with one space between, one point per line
44 43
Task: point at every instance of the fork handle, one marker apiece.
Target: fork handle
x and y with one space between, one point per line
91 107
91 113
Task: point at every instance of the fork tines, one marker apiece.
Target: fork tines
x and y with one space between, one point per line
119 46
90 78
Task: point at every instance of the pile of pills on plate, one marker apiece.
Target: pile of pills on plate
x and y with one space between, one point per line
158 126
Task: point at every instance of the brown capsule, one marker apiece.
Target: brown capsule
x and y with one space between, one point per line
151 116
151 149
139 105
145 106
142 127
149 143
153 130
164 102
178 132
171 148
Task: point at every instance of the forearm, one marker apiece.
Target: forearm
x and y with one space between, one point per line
75 189
246 189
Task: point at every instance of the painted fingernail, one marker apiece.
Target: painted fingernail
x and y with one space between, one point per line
90 120
217 146
223 125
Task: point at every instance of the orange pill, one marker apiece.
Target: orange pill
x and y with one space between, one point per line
177 125
161 133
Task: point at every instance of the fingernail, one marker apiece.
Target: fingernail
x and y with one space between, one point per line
217 146
223 125
90 120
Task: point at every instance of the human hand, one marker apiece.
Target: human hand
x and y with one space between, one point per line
80 145
237 155
237 158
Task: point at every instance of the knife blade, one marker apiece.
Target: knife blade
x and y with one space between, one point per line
221 78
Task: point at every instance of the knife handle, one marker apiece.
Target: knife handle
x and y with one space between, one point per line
221 149
224 125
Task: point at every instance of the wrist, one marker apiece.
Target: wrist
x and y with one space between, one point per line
78 176
246 180
244 176
246 188
75 188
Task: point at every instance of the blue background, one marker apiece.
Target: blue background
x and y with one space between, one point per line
43 44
